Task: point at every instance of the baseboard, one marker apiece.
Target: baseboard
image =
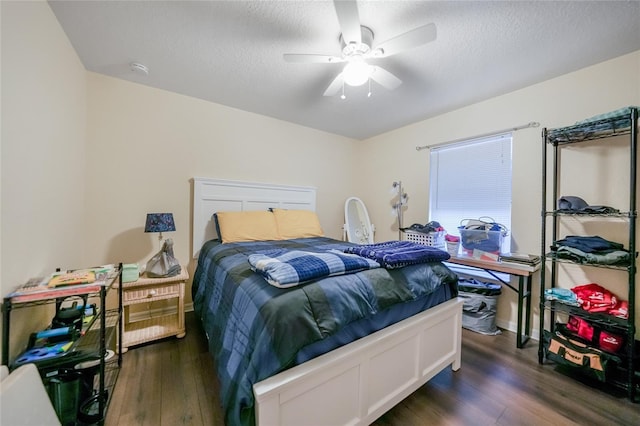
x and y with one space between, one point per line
513 327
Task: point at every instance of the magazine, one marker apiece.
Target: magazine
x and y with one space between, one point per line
85 276
65 284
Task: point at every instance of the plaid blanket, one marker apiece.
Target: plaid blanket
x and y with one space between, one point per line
397 254
255 330
288 268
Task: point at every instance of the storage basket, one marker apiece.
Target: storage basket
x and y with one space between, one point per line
433 239
489 241
483 234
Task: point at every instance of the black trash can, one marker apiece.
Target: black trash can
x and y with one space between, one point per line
64 392
480 305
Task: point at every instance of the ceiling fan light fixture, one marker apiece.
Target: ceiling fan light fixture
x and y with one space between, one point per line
356 72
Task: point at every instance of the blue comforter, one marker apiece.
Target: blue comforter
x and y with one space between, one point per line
255 329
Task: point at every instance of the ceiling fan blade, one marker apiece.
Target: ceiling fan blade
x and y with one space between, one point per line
311 58
349 20
409 40
335 86
385 78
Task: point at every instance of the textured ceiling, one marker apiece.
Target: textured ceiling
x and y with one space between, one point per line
230 52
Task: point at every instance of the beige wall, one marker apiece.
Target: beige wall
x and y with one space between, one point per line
146 144
43 153
131 150
554 103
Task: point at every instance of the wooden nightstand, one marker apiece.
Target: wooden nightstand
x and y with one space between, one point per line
157 323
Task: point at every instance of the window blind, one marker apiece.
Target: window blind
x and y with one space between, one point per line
469 180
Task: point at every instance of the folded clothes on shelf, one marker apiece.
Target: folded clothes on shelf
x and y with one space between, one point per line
591 297
563 295
595 298
591 249
574 204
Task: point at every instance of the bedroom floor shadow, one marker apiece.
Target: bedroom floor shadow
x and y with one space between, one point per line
173 382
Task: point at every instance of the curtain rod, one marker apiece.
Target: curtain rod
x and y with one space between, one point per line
485 135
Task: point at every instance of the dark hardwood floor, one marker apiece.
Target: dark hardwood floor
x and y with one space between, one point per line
172 382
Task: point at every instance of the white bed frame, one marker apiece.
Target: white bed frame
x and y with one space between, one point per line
218 195
354 384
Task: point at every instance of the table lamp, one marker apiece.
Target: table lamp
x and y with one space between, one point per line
159 222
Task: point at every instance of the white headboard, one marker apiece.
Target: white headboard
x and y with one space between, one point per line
214 195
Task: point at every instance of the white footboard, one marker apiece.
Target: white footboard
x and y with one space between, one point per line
357 383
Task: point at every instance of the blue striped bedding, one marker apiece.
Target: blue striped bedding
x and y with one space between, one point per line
288 268
256 330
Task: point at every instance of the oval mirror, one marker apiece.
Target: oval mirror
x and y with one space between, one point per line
358 227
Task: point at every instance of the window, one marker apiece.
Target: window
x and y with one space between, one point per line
469 180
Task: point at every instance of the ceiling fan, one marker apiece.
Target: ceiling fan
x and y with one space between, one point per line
357 47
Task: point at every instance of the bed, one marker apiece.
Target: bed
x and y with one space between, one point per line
363 341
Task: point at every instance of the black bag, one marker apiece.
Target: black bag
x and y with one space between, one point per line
589 361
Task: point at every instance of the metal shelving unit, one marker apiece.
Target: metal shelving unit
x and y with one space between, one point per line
623 123
98 334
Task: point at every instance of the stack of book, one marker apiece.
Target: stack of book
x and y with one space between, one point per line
62 284
521 259
84 276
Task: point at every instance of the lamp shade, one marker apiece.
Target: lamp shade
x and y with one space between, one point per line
356 73
159 222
